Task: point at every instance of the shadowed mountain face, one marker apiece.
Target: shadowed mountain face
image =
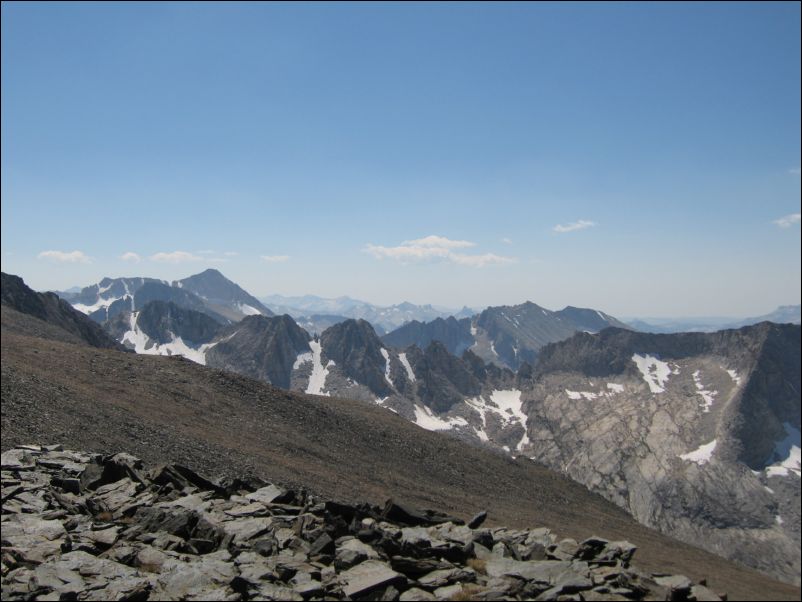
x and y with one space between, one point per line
221 294
260 347
354 346
446 380
169 409
508 336
49 308
589 320
512 335
454 334
162 292
163 322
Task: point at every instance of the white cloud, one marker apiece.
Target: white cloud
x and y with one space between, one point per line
506 241
435 248
795 171
578 225
230 253
274 258
206 252
66 256
788 220
438 242
175 257
130 256
480 261
406 252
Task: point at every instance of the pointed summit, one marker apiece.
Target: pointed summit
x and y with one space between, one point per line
222 294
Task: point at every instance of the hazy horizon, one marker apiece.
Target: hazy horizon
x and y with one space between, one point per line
641 159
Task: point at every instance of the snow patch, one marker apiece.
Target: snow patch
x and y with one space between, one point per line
317 380
509 402
702 454
248 310
707 396
386 357
407 367
582 395
786 455
129 295
778 519
143 344
302 358
734 376
99 304
508 408
425 418
473 330
654 371
615 387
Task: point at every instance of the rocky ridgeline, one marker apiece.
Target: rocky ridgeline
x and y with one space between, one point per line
81 526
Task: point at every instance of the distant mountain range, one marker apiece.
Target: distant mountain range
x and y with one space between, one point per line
209 292
508 336
784 314
384 319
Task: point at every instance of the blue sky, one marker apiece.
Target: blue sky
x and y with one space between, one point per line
642 159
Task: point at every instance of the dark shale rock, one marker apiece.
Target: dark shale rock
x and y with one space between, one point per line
394 512
77 526
477 520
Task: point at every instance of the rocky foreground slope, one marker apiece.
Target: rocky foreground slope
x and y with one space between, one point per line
83 526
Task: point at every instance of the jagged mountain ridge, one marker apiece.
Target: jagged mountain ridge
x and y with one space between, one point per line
209 292
505 335
164 328
265 348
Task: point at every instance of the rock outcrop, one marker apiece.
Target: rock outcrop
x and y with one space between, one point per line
82 526
49 308
694 434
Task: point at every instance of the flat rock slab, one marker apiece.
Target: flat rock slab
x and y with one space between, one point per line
367 576
541 571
